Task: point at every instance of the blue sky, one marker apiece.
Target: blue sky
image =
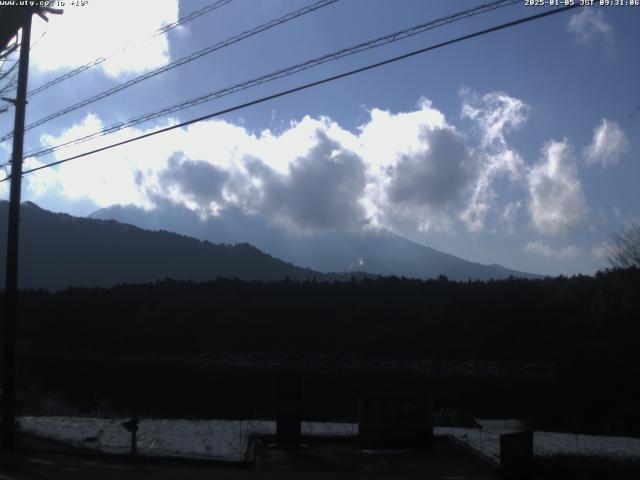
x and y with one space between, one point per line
518 148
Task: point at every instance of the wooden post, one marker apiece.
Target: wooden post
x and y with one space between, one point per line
288 409
11 285
132 427
134 442
516 455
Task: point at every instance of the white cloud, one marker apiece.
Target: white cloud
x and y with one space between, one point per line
308 176
588 24
540 248
107 177
494 115
409 170
602 251
510 214
608 144
557 202
388 136
100 28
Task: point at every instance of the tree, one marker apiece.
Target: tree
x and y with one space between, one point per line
625 250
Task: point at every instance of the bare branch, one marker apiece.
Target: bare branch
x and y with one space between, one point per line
625 251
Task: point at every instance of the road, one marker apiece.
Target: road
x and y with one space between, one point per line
444 462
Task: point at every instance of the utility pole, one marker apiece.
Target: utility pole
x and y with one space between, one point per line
8 428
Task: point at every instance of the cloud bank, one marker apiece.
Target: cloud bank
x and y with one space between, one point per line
65 46
411 170
542 249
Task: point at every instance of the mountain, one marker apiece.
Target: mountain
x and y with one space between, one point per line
378 252
59 250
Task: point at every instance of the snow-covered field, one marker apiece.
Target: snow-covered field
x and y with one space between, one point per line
229 439
486 440
213 439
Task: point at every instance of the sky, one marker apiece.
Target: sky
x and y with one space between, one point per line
519 147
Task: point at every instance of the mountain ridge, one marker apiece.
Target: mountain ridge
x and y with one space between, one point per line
58 250
377 252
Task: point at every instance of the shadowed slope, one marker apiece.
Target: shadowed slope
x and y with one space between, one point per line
59 250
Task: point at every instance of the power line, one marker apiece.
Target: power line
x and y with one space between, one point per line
9 71
177 63
309 85
9 50
13 80
156 33
352 50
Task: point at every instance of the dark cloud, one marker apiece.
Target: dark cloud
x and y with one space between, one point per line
436 177
322 190
198 180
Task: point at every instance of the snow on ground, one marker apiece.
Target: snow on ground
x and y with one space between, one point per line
229 439
217 439
486 440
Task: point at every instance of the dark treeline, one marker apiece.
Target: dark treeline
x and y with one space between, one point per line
588 326
515 319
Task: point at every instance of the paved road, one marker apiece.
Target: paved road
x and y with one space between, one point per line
315 462
61 466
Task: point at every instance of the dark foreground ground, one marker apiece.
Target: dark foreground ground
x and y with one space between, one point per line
323 460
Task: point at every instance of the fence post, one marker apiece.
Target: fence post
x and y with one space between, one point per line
288 409
516 455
